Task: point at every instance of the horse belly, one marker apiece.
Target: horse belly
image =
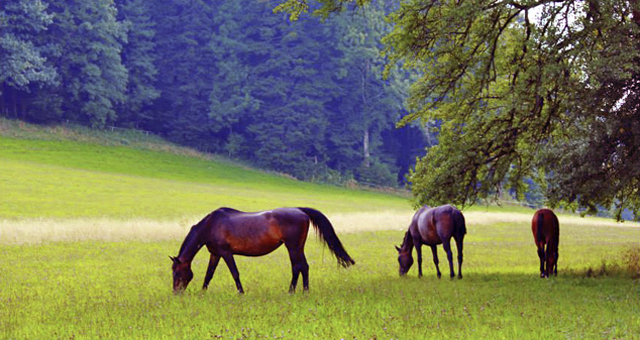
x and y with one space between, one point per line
431 238
255 244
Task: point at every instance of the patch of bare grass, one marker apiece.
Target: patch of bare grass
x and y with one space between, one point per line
36 231
623 264
486 218
43 230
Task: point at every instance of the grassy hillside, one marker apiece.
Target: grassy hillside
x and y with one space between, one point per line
66 173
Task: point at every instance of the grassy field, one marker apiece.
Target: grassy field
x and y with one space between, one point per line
87 224
100 289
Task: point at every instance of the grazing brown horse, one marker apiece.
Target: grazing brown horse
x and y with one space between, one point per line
227 231
433 226
546 231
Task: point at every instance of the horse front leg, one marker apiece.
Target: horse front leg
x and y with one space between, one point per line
418 247
213 263
234 271
434 251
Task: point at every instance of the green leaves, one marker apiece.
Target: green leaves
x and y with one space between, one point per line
510 88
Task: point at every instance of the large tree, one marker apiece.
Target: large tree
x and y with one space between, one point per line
185 63
543 89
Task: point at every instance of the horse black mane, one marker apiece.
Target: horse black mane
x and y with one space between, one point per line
407 241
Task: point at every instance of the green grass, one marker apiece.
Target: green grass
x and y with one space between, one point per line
121 196
100 289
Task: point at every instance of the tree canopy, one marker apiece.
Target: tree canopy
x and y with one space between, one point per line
540 90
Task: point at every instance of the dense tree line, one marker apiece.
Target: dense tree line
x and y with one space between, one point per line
228 77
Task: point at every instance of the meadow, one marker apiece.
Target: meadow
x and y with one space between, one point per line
87 227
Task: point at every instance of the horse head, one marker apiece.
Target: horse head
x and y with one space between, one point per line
182 274
405 260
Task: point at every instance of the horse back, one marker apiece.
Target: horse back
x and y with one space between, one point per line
440 223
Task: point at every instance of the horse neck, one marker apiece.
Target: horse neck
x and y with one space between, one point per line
407 243
191 245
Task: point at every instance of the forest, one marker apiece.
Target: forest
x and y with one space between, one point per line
305 98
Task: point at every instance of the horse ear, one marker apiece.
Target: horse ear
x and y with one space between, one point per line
397 248
174 259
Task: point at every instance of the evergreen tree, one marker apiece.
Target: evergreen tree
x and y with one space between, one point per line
139 57
231 101
23 59
292 84
183 34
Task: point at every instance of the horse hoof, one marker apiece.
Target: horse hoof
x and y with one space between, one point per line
439 276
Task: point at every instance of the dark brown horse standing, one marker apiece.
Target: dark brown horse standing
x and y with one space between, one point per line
226 232
433 226
546 232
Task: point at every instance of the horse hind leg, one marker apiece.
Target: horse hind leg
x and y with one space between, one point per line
459 246
551 261
298 265
447 248
305 273
541 255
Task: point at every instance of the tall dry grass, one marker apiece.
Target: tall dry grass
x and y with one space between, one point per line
43 230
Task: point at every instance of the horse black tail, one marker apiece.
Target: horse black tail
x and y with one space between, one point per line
460 226
328 235
540 231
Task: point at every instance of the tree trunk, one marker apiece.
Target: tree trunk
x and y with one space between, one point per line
3 95
365 102
15 103
365 146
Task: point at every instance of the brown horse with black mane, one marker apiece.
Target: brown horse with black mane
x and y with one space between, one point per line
546 232
433 226
226 232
